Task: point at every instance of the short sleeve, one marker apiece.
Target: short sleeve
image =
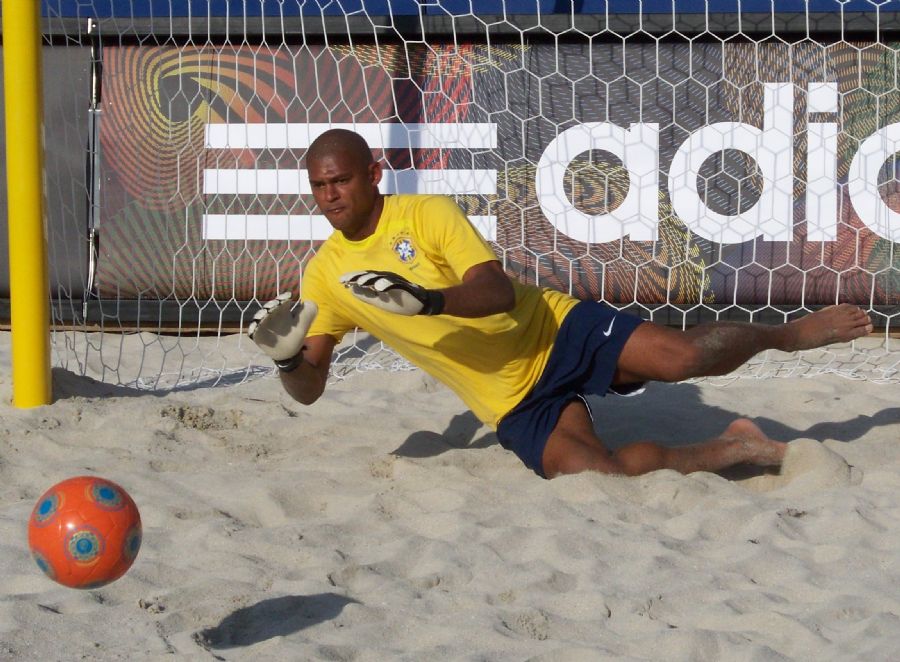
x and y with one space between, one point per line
454 237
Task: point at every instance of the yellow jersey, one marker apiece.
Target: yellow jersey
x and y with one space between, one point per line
490 362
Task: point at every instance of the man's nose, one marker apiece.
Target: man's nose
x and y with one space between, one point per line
331 192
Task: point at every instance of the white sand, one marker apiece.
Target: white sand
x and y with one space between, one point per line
384 523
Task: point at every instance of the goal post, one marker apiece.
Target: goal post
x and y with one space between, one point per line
28 273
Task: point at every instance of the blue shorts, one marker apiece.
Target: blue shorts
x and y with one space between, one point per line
583 361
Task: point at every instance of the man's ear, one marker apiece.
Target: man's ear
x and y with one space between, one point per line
375 172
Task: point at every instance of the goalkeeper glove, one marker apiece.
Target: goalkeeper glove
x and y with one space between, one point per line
394 293
280 327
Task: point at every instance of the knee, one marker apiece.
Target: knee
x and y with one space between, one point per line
565 464
632 460
640 458
573 457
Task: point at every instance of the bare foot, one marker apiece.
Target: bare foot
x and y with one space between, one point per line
755 447
840 323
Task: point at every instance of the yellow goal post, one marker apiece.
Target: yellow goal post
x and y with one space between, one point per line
28 271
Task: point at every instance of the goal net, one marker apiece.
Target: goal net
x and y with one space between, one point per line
687 161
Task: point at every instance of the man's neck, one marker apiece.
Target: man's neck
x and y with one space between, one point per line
372 224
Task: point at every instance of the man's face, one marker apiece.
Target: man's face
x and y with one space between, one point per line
346 192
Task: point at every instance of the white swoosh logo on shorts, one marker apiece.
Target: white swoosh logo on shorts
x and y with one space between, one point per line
609 329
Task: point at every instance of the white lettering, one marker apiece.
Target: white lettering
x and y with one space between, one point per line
637 215
863 182
821 165
772 149
637 147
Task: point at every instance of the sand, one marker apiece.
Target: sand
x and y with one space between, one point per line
385 523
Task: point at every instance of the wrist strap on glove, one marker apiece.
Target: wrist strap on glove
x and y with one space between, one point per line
291 364
434 303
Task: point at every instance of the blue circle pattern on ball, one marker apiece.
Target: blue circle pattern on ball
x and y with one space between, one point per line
42 563
46 509
132 543
84 545
106 496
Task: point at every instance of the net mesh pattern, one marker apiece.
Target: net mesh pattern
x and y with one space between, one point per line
684 167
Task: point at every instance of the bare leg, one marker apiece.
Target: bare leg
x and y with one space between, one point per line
659 353
573 447
742 442
655 352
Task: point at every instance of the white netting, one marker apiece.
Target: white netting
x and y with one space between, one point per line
669 164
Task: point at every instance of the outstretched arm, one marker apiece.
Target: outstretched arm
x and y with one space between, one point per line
485 290
279 329
306 382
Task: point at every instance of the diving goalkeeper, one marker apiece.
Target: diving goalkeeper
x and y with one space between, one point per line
412 271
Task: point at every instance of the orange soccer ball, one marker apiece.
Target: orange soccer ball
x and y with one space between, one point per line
84 532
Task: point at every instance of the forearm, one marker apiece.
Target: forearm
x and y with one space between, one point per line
473 301
305 383
485 290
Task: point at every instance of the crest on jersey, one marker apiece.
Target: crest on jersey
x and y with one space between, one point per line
404 249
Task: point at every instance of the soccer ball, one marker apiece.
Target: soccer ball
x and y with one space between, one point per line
84 532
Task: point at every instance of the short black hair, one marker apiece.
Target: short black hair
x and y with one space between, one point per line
341 140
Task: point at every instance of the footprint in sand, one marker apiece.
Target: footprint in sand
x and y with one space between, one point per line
533 623
202 418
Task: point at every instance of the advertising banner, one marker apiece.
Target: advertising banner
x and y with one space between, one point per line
680 172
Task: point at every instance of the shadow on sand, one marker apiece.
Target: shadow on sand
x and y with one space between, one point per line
275 617
676 409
